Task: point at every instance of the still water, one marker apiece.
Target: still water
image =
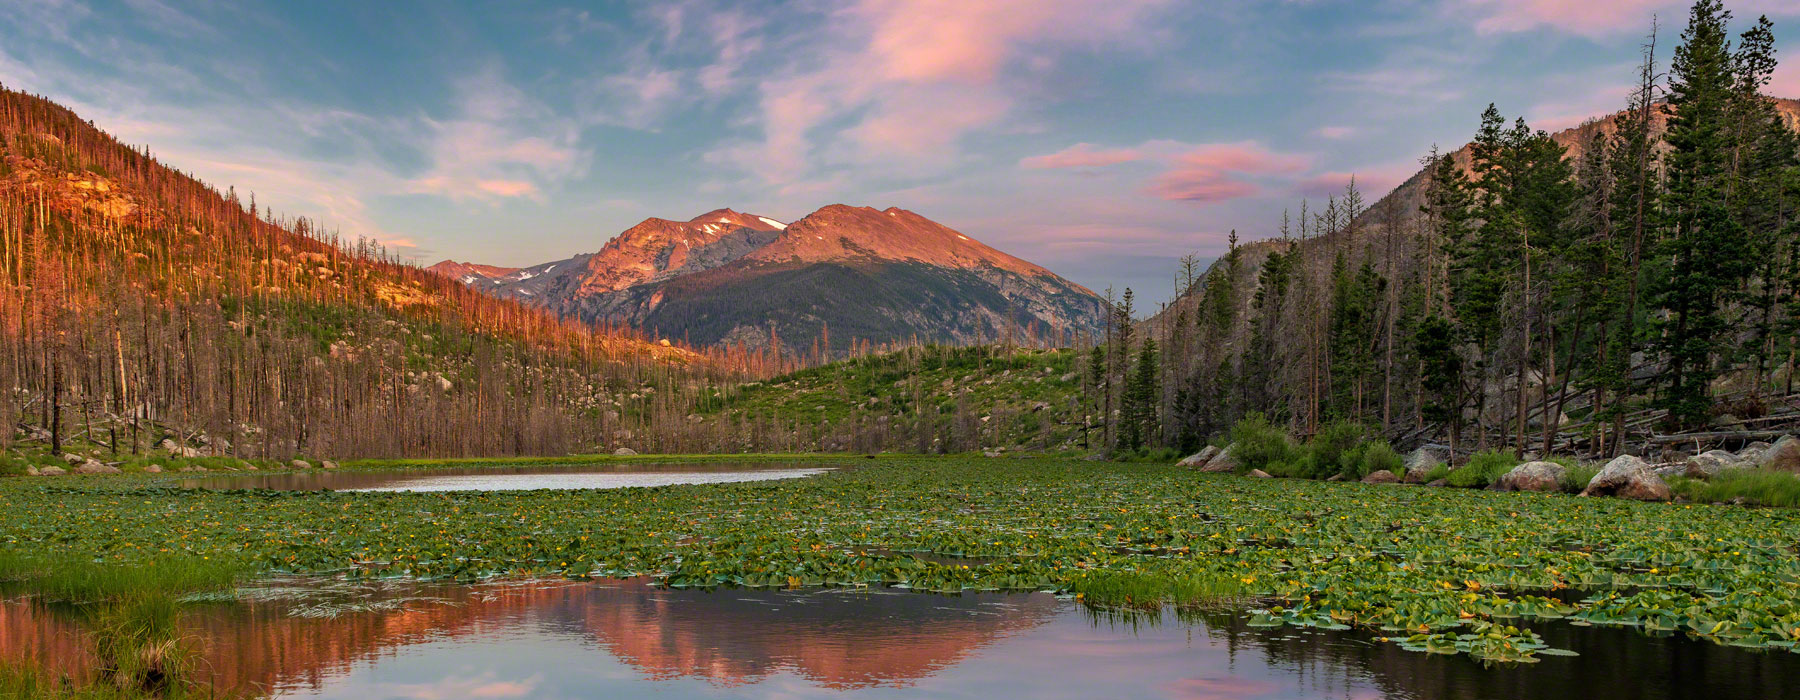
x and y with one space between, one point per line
626 639
502 478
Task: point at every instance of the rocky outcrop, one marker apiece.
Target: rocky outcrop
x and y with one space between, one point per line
1532 476
1221 463
93 467
1199 459
1783 456
1711 463
1422 461
1381 476
1628 477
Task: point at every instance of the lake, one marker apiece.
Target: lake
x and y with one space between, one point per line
312 638
513 478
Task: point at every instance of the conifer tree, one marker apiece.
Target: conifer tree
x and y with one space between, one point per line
1705 246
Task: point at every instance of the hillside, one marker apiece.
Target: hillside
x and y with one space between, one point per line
927 399
1352 285
139 305
838 279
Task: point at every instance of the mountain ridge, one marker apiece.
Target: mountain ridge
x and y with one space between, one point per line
709 279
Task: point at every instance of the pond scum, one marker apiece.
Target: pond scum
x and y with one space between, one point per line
1437 570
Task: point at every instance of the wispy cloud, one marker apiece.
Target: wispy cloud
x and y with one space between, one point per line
905 80
1203 173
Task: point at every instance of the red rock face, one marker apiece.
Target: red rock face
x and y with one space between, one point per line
841 232
659 248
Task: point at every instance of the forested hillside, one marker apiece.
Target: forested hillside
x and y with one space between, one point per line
1606 288
138 304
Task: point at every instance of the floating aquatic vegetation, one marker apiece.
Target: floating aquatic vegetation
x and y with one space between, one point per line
1440 570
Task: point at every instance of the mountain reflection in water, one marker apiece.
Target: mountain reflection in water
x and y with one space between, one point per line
626 639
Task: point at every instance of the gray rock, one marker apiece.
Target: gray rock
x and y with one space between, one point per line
624 452
1628 477
51 471
153 469
1532 476
93 467
327 464
1199 459
990 453
73 459
299 464
1381 476
178 450
1221 463
1335 477
1711 463
1753 452
31 470
1439 482
1784 455
1260 474
1420 463
1667 469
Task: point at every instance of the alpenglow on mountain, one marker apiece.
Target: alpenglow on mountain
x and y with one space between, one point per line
841 274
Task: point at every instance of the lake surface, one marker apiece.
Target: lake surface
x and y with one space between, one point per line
515 478
370 641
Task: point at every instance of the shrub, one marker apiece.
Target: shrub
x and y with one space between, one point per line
1325 453
1441 471
1374 456
1483 469
1256 444
1576 476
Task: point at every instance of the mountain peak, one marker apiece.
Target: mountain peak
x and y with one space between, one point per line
468 273
844 232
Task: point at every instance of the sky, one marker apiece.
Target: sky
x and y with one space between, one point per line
1103 139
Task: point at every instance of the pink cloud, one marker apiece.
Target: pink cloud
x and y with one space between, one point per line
1210 173
896 84
1588 18
1082 155
1204 186
970 42
1335 132
1213 172
1246 157
1374 182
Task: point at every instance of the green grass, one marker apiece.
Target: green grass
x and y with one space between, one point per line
1754 486
1576 476
1483 469
1430 561
78 579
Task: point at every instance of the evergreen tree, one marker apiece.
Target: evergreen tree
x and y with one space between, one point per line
1706 247
1138 424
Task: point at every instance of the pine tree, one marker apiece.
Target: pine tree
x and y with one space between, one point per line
1138 419
1706 247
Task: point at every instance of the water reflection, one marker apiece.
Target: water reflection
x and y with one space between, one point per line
626 639
514 478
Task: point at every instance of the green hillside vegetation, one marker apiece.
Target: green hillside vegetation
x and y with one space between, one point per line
941 398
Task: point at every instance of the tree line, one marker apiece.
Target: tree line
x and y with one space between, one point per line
1600 290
